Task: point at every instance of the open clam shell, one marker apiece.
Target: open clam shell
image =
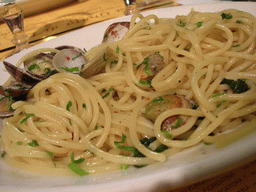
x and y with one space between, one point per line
15 89
116 31
69 60
75 61
5 107
96 64
40 64
21 75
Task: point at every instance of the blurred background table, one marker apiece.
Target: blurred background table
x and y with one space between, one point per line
54 19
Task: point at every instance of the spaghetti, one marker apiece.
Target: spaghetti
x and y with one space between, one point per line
204 89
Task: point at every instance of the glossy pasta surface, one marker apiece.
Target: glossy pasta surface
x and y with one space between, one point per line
205 92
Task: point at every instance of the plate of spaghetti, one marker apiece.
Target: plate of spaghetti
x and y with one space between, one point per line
174 103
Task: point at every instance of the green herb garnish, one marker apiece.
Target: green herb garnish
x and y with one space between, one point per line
148 82
9 103
117 49
207 143
199 24
114 62
124 147
194 106
161 148
49 72
69 105
73 166
27 116
218 95
158 99
110 92
222 101
181 24
238 86
33 143
77 56
226 16
136 153
145 62
3 154
104 57
9 91
167 134
124 166
179 122
51 156
32 67
73 69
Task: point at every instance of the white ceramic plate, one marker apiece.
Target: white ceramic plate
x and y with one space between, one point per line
195 164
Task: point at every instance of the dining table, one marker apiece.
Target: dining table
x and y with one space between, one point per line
49 23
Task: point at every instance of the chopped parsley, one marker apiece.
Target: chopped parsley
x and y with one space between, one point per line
20 87
27 116
104 57
9 103
147 141
84 105
239 21
194 106
181 24
19 143
49 72
110 92
105 36
32 67
136 153
9 91
77 56
124 147
33 143
226 16
207 143
199 24
167 134
3 153
218 95
222 101
69 105
117 49
73 69
75 168
161 148
51 156
238 86
179 122
148 82
124 166
158 99
146 68
114 62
